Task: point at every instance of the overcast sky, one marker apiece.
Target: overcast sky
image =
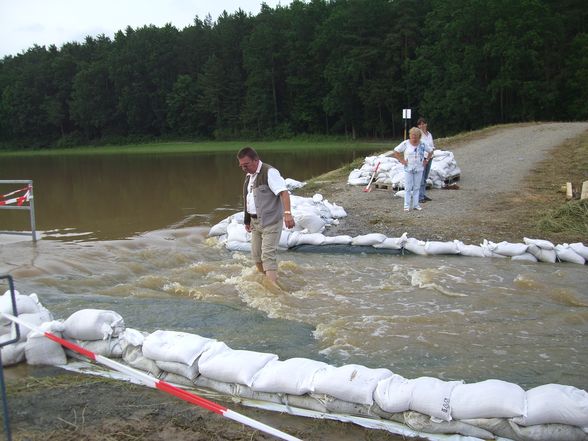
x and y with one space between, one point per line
24 23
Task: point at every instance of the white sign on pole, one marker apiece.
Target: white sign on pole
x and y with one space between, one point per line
406 114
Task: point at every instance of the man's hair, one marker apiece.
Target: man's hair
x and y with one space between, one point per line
416 130
247 151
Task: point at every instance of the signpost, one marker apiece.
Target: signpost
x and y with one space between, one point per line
406 115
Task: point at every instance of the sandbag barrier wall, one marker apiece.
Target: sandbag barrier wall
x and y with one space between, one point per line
486 410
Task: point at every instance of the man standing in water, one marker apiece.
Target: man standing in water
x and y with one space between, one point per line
266 208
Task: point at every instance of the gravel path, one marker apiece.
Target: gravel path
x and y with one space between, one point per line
493 169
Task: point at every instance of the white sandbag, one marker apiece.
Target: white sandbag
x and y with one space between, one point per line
488 399
293 376
40 350
368 239
393 394
236 233
542 254
352 382
338 240
556 403
110 348
392 243
579 248
567 254
311 239
545 244
525 257
238 246
415 246
469 250
13 353
509 249
180 347
133 356
181 369
221 363
336 211
424 423
400 193
93 324
432 396
220 228
33 319
313 223
293 184
24 305
284 236
434 247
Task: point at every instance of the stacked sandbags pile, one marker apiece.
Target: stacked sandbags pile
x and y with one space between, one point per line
485 410
391 172
311 215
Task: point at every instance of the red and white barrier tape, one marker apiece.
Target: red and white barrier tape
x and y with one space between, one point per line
18 200
159 384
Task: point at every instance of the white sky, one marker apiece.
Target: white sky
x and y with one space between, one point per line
24 23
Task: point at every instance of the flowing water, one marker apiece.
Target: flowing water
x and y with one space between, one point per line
130 234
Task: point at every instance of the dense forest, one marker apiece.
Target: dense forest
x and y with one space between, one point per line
318 67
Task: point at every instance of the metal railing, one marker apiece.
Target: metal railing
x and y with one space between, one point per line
30 207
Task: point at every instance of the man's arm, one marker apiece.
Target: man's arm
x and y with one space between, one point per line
288 218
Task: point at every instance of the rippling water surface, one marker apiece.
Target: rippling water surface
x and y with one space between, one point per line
446 316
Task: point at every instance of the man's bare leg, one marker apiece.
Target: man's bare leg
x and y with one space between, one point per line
272 276
259 266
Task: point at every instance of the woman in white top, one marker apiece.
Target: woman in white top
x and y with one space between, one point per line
411 153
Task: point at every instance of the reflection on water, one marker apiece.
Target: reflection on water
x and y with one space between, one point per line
132 237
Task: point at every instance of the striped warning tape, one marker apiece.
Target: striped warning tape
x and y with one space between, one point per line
20 200
159 384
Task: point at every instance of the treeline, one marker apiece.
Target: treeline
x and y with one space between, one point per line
317 67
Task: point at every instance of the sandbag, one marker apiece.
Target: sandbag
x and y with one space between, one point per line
24 305
110 348
352 382
541 243
294 376
33 319
40 350
93 324
238 246
579 248
181 369
509 249
434 247
542 254
555 403
392 243
338 240
310 239
180 347
393 394
469 250
221 363
432 396
415 246
134 357
567 254
236 232
313 223
423 423
488 399
368 239
525 257
220 228
13 353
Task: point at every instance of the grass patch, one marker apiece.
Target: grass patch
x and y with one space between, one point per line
571 218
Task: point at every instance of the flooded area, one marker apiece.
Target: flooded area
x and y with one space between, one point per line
130 234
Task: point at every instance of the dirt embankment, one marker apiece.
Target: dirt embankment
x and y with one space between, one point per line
510 176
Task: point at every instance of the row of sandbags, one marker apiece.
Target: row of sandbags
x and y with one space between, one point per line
485 409
391 172
314 215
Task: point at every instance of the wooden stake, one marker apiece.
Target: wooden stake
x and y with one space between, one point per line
569 192
584 194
